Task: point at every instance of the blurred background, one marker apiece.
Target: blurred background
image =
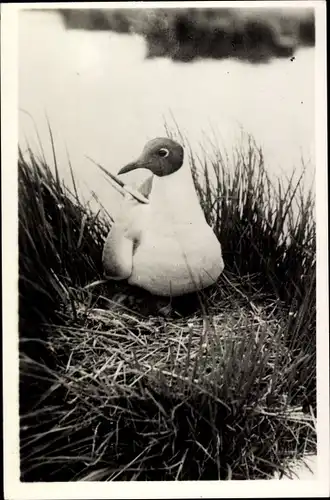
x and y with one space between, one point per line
253 34
109 79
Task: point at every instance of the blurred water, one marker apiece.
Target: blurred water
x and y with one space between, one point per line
105 100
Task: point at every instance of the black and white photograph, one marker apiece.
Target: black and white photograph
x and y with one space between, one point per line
168 194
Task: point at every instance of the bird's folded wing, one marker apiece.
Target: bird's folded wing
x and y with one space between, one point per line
117 255
123 240
124 236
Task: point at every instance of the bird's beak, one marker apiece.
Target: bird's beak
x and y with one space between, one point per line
129 167
133 166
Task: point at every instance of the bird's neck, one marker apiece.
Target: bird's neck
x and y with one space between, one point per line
175 196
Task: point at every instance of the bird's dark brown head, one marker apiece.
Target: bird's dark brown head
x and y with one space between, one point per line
162 156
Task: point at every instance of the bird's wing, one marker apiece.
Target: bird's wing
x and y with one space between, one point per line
124 235
122 241
117 255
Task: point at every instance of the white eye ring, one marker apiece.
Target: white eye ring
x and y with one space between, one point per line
163 152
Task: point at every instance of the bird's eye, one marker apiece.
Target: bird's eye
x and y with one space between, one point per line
163 152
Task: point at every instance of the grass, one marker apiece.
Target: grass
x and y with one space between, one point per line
255 35
223 389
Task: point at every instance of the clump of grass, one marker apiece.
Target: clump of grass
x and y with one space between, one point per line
264 229
59 239
59 252
109 393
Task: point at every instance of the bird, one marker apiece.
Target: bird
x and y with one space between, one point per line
161 241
